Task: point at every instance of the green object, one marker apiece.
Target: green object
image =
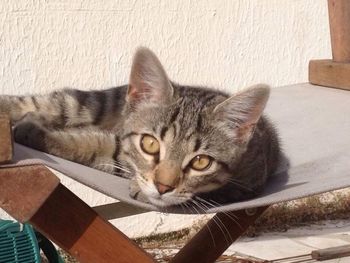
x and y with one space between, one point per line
48 248
18 243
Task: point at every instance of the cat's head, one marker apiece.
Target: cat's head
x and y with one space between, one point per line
182 141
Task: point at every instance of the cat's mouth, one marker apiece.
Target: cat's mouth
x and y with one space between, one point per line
163 200
160 198
167 200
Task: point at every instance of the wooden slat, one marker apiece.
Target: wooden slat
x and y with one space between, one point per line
6 149
335 73
79 230
218 234
330 74
339 21
24 189
330 253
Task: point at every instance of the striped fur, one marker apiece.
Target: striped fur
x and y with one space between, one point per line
104 129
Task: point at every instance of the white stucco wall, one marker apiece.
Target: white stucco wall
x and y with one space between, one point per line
45 45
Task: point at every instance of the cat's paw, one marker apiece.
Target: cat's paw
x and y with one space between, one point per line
30 134
136 193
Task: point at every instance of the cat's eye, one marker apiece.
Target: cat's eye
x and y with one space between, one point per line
201 162
149 144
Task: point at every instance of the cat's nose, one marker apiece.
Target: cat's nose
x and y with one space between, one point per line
162 188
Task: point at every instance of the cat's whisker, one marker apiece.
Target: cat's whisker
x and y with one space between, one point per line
114 166
144 182
185 205
239 184
217 221
195 209
203 200
195 203
211 234
101 167
122 168
118 174
207 226
183 208
120 164
227 231
232 217
109 171
220 222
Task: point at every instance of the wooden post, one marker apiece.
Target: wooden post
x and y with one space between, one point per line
217 235
6 149
25 189
335 73
339 21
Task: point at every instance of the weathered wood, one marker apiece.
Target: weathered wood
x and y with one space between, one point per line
6 145
339 21
330 253
329 73
24 189
218 234
79 230
335 73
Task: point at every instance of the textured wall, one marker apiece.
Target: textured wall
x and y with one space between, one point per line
88 44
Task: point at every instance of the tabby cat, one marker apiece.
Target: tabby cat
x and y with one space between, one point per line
176 143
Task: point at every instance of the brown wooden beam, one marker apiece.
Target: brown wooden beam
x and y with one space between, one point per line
329 73
335 73
339 22
331 253
79 230
33 194
6 149
24 189
217 235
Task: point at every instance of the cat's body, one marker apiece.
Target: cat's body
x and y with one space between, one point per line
174 141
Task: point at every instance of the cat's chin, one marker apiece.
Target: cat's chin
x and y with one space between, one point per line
164 203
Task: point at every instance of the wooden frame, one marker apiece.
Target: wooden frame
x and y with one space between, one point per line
336 72
34 194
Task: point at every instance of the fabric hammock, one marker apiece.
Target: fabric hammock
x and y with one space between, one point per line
314 127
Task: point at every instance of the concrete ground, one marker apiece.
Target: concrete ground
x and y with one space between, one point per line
268 247
295 241
285 230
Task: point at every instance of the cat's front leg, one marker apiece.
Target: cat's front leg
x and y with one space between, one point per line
31 134
89 147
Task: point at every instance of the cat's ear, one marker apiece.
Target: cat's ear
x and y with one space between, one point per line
240 113
148 79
